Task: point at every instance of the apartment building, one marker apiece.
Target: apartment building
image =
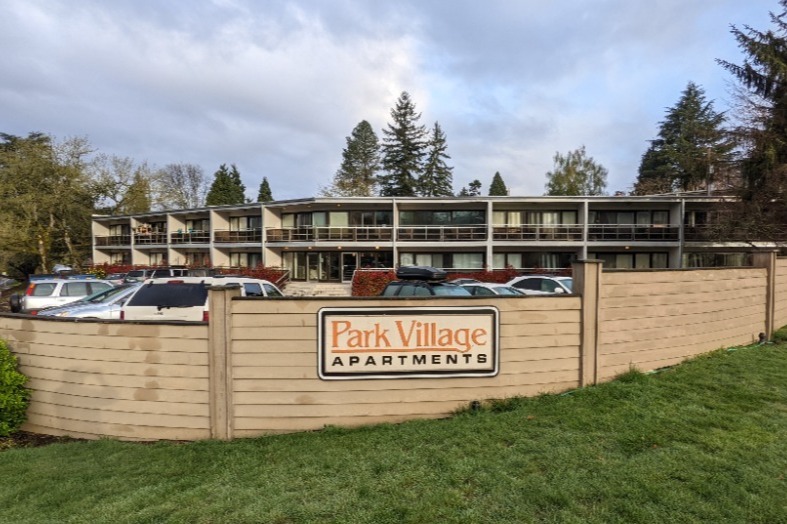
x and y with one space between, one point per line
326 239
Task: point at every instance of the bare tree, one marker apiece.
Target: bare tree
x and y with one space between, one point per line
180 186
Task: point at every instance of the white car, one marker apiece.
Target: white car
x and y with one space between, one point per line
542 284
481 289
186 298
104 304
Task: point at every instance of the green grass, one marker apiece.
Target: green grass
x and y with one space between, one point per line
702 442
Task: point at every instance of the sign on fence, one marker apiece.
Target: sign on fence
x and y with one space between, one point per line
406 342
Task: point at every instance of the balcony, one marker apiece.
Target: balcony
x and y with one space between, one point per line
633 233
190 237
537 232
329 234
113 240
240 236
150 238
441 233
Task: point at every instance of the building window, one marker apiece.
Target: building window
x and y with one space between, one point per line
633 260
474 261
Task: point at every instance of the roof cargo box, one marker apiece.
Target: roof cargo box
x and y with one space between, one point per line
420 273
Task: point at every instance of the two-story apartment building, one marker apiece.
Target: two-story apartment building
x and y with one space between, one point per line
326 239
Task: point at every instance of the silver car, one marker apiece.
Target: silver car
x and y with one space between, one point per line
47 292
104 304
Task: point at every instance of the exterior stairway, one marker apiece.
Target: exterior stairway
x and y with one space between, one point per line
317 289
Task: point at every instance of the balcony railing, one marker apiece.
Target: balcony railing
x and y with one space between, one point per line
329 234
150 238
225 236
633 232
537 232
441 233
722 233
190 237
113 240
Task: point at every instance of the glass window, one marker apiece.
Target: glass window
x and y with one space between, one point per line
499 218
319 218
252 289
468 261
339 218
661 218
271 290
643 218
626 217
568 218
499 261
75 289
288 220
660 260
642 260
383 218
43 290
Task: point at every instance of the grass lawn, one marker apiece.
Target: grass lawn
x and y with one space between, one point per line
702 442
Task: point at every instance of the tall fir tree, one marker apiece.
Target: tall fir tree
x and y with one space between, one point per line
225 189
498 187
691 143
264 194
239 189
403 150
437 178
576 174
357 175
763 130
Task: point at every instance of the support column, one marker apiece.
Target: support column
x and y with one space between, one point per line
767 259
220 360
587 283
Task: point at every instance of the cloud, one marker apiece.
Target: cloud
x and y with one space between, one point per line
275 87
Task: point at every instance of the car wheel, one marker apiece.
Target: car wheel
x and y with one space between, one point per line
15 301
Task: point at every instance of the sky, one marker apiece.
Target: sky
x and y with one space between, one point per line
276 87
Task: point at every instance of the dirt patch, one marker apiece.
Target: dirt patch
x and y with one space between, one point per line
23 439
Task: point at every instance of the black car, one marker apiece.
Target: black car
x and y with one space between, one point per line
422 281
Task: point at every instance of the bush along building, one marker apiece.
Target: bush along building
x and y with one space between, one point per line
326 239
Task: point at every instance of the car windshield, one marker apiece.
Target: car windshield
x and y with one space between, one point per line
568 282
105 295
504 290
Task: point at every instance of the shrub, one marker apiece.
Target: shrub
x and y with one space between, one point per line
14 397
371 283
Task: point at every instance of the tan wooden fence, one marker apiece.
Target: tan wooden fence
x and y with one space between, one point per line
254 368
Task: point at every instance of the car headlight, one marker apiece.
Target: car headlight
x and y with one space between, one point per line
62 314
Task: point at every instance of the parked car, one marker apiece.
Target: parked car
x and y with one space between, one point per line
480 289
542 284
116 278
104 304
140 275
463 281
186 298
421 281
41 293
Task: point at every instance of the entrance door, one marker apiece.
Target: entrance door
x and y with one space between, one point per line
313 267
349 263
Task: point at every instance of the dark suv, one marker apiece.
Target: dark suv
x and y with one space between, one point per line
422 281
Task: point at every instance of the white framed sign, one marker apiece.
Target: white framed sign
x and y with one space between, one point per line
406 342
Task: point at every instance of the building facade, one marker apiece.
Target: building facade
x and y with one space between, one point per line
326 239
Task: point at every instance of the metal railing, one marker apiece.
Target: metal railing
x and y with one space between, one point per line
537 232
190 237
226 236
633 232
441 233
329 234
113 240
151 238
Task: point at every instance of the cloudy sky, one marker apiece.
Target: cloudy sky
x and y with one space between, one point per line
276 86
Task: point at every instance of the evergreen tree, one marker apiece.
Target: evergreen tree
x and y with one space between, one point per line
498 187
265 194
691 141
403 150
437 179
239 189
763 131
226 188
137 196
576 174
471 189
357 175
